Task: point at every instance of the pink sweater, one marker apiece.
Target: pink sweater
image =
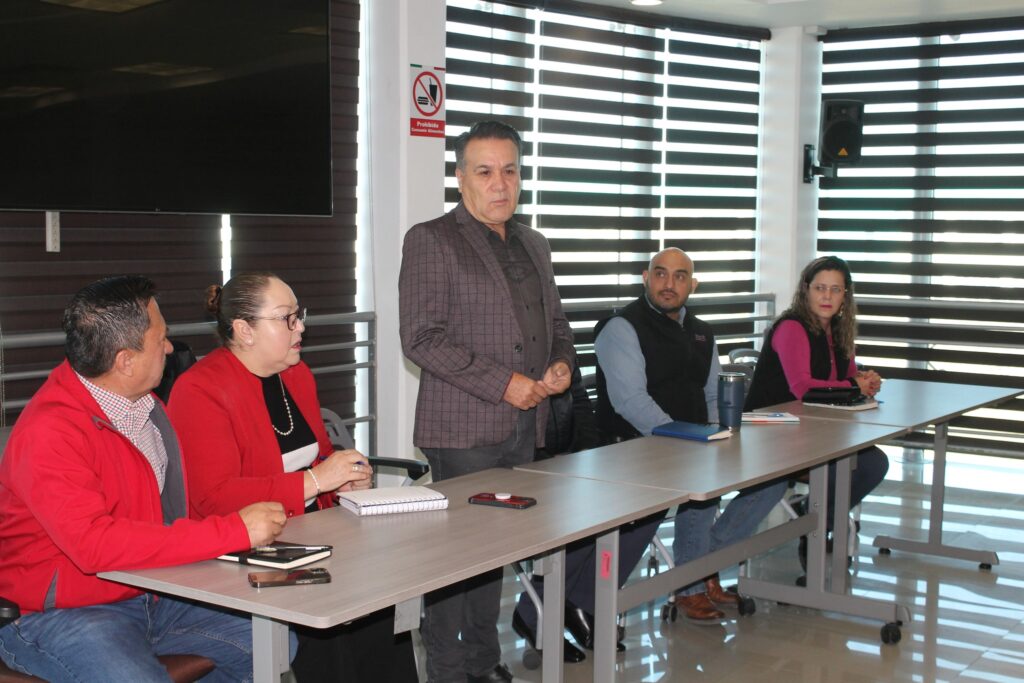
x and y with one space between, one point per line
794 349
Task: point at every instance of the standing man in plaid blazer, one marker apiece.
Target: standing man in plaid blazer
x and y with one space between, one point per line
481 317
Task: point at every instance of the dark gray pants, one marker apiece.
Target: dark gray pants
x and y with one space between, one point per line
470 608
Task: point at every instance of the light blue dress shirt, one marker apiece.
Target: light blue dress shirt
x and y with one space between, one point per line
625 371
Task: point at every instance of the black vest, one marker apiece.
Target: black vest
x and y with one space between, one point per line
677 359
769 385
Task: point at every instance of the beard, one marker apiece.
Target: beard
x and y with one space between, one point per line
667 310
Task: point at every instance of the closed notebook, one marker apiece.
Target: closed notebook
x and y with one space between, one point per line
385 501
691 431
862 403
284 555
770 418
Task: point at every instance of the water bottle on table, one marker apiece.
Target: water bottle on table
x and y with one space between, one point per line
731 390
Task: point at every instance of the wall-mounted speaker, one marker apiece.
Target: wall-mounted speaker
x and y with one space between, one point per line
842 132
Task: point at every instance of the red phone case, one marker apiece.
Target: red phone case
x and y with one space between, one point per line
514 502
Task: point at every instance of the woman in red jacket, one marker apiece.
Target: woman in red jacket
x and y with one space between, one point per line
249 422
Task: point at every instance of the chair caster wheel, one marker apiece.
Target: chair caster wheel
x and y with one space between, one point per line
986 566
801 581
884 551
669 612
531 658
891 633
746 606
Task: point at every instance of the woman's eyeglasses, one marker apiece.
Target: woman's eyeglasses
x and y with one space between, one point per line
822 289
291 319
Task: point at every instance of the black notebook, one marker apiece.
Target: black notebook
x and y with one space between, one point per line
284 556
842 398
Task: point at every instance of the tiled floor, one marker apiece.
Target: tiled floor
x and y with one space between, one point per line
968 624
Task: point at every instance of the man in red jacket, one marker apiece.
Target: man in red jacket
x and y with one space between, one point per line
92 480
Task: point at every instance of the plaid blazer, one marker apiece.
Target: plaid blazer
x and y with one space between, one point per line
457 324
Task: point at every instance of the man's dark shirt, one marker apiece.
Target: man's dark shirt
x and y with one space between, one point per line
527 298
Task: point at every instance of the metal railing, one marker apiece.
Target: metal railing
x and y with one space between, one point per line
55 339
764 314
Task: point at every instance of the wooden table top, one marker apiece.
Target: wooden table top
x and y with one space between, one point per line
910 403
755 454
384 560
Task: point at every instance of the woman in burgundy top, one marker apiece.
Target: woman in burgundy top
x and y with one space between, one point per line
811 345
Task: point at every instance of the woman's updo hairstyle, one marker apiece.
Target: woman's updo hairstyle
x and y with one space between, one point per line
240 299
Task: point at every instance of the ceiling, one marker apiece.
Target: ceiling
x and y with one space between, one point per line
829 14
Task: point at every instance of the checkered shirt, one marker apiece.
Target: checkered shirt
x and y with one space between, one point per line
132 419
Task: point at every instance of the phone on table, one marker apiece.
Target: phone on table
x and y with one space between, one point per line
502 500
290 577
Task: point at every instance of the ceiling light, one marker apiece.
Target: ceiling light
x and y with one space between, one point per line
116 6
646 3
162 69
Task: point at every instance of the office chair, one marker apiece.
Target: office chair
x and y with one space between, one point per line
416 471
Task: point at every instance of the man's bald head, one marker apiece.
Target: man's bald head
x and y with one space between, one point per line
669 281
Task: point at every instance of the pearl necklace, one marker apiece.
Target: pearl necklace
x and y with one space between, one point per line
288 410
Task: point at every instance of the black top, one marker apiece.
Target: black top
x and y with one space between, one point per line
527 298
302 435
678 362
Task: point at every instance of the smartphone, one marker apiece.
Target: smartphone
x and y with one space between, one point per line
293 577
502 500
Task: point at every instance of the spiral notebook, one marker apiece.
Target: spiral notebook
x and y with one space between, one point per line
384 501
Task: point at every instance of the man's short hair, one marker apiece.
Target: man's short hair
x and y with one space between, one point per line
486 130
105 317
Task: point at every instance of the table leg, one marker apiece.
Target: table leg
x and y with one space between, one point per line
841 525
553 615
606 610
815 594
269 649
934 544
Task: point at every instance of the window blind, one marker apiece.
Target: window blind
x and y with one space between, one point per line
638 136
181 254
932 218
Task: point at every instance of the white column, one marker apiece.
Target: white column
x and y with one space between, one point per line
406 187
788 207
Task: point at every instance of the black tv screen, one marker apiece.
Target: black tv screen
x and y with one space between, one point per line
184 106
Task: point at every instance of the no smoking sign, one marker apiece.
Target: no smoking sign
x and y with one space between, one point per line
427 101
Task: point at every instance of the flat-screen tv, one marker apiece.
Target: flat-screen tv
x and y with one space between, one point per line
182 106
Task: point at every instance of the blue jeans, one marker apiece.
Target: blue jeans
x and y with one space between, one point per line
697 533
120 641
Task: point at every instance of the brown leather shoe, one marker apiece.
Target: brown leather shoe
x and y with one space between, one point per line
699 609
719 595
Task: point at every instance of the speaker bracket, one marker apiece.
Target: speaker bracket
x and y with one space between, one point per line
811 170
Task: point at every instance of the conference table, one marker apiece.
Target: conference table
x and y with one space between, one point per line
912 405
394 559
755 454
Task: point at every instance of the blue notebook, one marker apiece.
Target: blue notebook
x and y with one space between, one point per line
691 431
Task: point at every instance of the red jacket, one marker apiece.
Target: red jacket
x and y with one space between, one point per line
78 498
233 459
